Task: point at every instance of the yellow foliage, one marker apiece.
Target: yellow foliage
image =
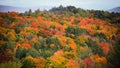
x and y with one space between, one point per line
62 40
82 39
3 31
58 58
13 24
11 35
38 62
24 33
52 45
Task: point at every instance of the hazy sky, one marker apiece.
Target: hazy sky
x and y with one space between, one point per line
85 4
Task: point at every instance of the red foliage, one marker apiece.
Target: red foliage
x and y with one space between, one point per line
92 32
34 24
105 47
112 41
87 21
5 58
88 61
47 33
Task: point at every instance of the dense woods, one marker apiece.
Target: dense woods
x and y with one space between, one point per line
63 37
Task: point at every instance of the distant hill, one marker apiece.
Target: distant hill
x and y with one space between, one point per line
11 8
4 8
116 10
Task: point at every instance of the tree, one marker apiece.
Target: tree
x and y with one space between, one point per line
32 52
27 63
20 52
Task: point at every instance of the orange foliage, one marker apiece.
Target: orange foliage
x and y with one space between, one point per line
40 19
14 14
24 33
72 44
8 51
26 45
33 40
17 45
62 40
39 62
11 35
82 49
97 58
72 20
2 42
52 45
72 64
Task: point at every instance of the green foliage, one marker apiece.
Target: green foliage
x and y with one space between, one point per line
96 49
27 63
37 45
20 53
7 45
101 36
86 53
76 21
117 46
53 40
74 30
32 52
10 45
46 52
115 57
70 30
11 64
2 37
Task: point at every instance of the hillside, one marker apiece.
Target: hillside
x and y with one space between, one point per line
73 38
116 10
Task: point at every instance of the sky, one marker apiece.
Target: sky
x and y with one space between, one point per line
85 4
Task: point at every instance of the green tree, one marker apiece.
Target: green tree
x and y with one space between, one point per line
20 52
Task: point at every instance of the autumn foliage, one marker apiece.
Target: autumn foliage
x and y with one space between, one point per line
65 39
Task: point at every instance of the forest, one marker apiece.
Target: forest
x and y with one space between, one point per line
62 37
